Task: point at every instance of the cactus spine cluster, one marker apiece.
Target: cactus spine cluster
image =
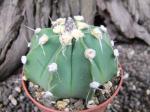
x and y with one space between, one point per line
71 58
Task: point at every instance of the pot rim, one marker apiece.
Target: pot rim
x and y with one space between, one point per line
102 105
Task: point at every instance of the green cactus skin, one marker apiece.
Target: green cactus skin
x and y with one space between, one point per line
75 72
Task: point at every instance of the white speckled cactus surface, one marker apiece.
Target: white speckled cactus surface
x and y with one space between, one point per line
70 59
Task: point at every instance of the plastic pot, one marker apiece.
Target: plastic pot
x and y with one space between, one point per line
100 108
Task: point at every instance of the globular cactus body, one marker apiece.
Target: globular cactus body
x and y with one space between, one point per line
67 67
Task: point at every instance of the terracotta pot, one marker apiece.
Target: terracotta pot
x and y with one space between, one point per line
100 108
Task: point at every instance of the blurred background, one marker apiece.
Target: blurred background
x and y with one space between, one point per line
127 21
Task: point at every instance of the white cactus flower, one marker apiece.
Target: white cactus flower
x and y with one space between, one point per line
37 30
77 34
79 18
52 67
112 42
43 39
65 39
103 28
97 33
116 52
59 29
90 53
82 25
24 60
94 85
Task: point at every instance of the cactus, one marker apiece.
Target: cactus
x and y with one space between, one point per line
71 58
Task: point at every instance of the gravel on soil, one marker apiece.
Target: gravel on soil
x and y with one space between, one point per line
133 97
